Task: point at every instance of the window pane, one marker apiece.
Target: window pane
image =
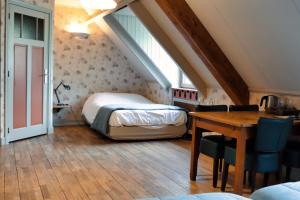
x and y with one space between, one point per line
41 29
186 82
185 79
17 22
29 27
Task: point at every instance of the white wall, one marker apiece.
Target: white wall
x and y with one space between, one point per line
150 46
125 50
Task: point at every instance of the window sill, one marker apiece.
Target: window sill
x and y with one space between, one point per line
184 88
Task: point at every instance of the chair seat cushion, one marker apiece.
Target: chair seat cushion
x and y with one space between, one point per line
286 191
212 145
266 162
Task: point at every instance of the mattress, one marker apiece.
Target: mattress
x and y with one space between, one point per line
142 118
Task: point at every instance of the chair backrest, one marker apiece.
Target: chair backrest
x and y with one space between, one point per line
211 108
272 134
243 107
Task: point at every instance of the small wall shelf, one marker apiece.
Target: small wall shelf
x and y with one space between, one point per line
59 107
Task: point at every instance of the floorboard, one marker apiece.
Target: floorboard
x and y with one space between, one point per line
77 163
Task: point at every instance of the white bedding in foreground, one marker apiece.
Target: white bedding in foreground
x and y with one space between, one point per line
143 118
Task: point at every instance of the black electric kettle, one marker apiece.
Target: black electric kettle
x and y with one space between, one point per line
271 101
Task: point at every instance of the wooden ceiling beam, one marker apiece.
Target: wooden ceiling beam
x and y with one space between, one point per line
194 32
141 12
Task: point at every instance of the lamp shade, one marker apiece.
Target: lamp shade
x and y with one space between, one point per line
99 4
79 30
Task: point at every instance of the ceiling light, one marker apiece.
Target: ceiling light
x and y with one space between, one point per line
99 4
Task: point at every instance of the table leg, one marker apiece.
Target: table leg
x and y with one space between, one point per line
196 137
240 161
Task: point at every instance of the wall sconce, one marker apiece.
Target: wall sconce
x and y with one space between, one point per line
78 30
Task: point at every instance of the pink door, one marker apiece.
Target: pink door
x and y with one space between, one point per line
37 79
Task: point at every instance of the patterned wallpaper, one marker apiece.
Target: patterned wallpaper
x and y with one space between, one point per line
42 3
215 96
88 65
157 93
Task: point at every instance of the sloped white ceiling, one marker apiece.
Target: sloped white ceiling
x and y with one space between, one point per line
260 37
167 26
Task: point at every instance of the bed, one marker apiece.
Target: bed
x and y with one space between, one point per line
125 116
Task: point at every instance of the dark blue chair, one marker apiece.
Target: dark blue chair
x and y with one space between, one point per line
243 108
213 145
291 156
263 154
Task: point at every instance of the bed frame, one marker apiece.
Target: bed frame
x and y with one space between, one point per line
141 133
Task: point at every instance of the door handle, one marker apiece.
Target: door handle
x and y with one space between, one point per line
44 77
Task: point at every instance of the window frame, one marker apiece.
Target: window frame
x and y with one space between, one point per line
184 85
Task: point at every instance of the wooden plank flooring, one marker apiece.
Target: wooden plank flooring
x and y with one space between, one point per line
76 163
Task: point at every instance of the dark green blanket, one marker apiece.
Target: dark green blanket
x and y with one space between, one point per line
101 122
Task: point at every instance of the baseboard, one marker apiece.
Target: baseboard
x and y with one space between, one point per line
2 141
50 130
68 123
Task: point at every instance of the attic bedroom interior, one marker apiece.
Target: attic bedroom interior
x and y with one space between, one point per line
150 99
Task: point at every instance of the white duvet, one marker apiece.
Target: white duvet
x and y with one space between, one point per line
143 118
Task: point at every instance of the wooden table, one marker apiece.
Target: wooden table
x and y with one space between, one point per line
239 125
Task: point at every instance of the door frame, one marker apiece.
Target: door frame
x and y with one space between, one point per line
49 100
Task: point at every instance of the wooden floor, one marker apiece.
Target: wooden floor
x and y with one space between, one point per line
77 163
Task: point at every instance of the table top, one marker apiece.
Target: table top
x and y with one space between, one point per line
238 119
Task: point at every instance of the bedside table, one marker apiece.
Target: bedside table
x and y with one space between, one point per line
59 107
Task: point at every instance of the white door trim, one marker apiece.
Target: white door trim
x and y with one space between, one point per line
41 12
